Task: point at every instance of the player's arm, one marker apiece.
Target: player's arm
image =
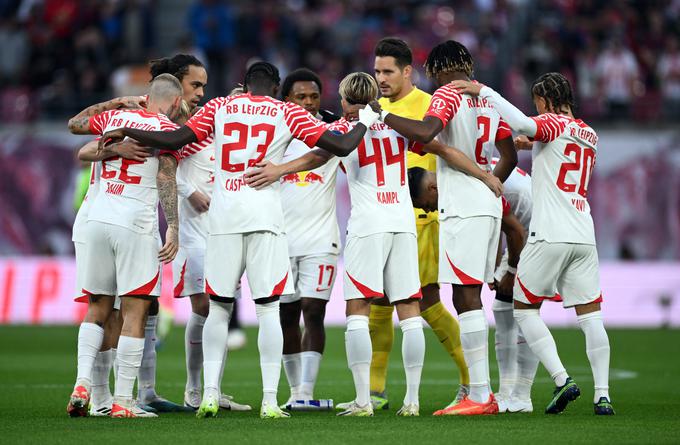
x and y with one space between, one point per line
342 145
517 120
420 131
515 237
166 140
198 200
80 123
508 159
268 172
456 159
167 195
125 149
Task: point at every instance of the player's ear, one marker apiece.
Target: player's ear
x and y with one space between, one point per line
408 69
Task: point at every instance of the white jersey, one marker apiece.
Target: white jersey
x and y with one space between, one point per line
517 191
378 183
128 196
472 126
249 129
308 200
563 160
196 172
79 223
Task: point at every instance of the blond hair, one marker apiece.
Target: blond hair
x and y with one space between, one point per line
358 88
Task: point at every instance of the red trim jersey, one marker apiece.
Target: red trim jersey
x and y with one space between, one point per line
247 130
128 195
378 183
563 159
472 126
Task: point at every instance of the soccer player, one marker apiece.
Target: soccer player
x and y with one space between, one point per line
308 200
517 364
122 226
469 213
195 178
246 225
393 70
560 256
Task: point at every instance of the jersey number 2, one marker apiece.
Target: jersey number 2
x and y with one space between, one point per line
381 146
583 163
242 144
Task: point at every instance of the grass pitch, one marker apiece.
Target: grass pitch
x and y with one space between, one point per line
37 369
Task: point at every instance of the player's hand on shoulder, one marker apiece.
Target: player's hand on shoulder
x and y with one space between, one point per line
171 246
132 102
265 174
131 150
368 116
522 142
494 184
467 87
110 137
199 201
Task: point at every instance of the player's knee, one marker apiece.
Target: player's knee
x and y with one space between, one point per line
154 308
314 312
200 304
407 308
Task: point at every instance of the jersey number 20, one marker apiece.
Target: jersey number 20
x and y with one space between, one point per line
583 163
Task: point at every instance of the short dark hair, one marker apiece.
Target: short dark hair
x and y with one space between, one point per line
299 75
177 65
556 89
394 47
262 74
415 182
449 56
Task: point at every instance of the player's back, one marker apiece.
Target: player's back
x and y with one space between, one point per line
249 129
563 160
378 183
472 126
82 215
196 171
127 188
517 191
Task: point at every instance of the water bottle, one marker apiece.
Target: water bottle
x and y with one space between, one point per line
311 405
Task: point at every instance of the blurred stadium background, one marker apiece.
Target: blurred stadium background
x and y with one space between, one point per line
623 56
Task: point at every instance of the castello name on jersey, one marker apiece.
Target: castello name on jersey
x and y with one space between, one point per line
255 110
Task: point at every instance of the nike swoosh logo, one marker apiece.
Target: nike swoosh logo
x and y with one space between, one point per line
195 342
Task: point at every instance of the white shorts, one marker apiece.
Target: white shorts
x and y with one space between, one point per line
313 276
187 272
502 267
121 262
550 270
82 297
262 255
382 263
467 249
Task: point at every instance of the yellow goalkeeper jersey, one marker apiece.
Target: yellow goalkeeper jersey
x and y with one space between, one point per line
414 106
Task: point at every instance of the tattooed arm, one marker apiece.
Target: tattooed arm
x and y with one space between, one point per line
80 123
167 194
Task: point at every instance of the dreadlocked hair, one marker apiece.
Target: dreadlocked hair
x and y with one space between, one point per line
447 57
177 65
415 182
556 89
261 74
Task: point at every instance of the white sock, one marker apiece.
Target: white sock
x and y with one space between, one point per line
541 343
359 352
130 351
597 349
114 360
193 347
474 336
413 354
292 365
146 389
311 361
270 345
215 335
101 392
506 347
527 364
90 338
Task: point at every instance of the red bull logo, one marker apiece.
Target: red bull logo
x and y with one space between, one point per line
303 179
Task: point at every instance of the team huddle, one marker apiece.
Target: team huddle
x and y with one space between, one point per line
255 177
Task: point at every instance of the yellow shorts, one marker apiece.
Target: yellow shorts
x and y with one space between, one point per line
428 247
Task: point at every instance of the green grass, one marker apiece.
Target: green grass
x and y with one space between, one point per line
37 369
